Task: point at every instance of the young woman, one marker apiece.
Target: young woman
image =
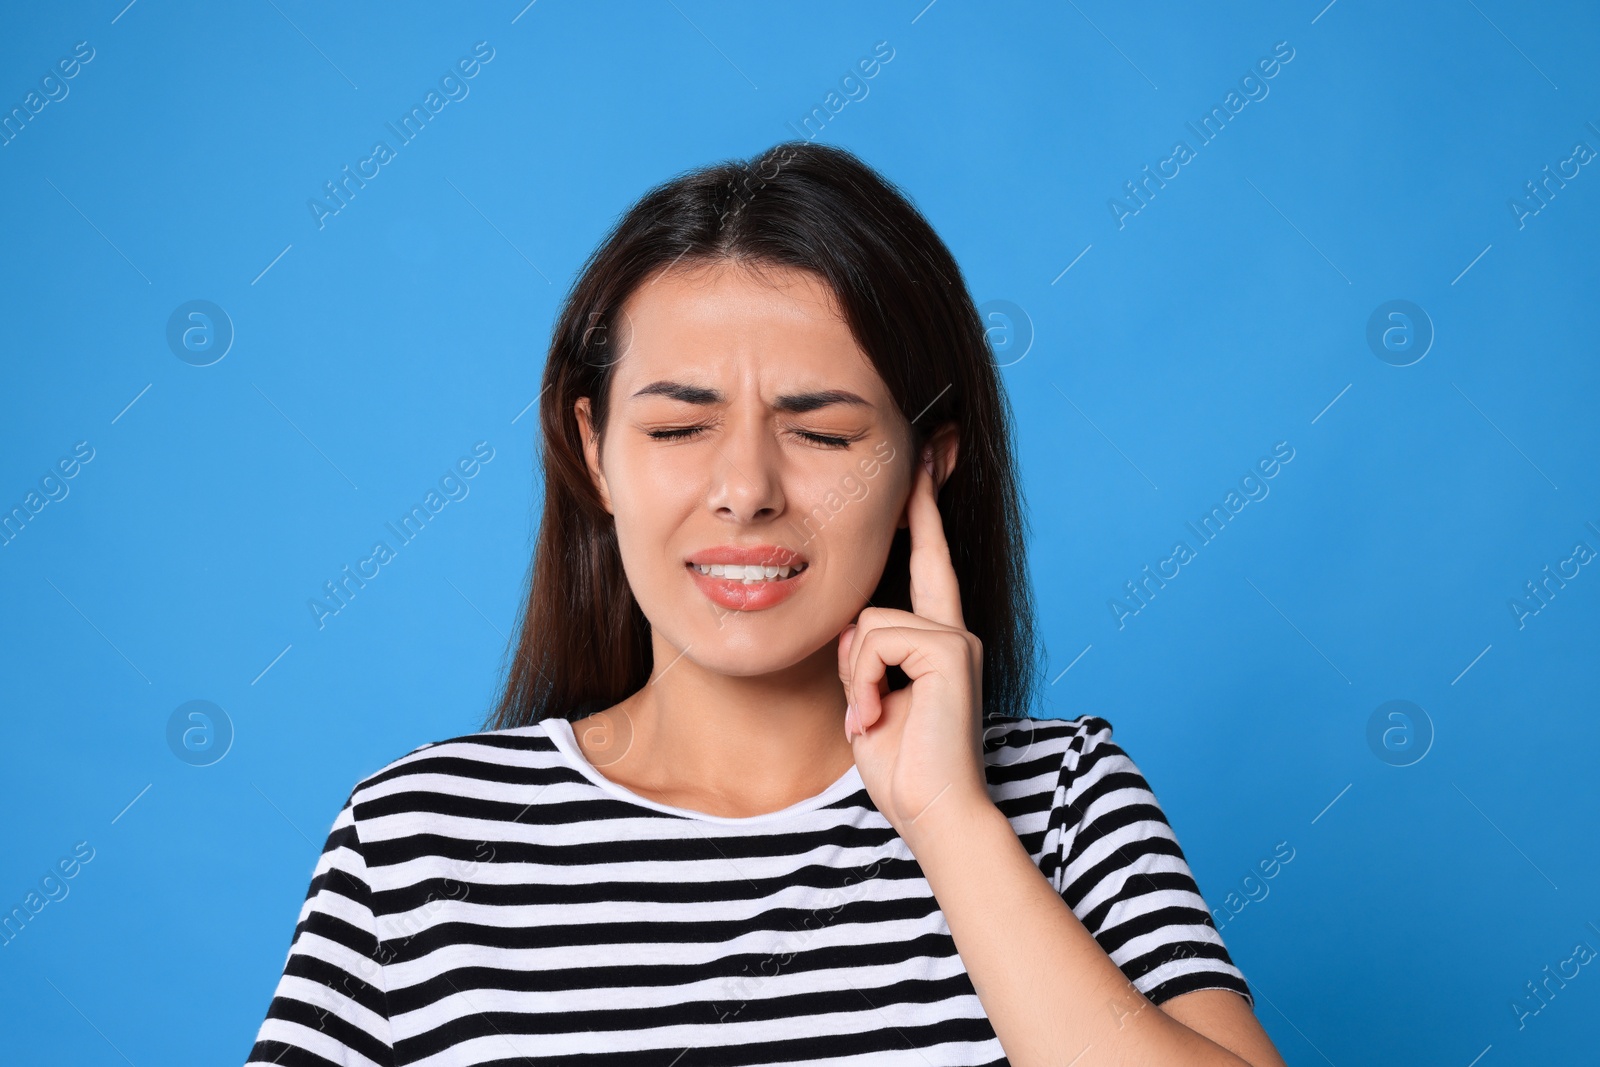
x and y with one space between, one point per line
763 787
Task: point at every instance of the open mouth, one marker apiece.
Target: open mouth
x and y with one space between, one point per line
748 575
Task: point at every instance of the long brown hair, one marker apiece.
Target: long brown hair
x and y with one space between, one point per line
584 643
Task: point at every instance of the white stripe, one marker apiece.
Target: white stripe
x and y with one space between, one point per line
313 1041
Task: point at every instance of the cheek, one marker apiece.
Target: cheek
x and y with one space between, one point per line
647 504
642 478
859 514
885 503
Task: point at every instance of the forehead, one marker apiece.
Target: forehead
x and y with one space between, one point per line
727 322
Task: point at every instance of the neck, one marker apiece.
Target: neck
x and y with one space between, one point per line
747 742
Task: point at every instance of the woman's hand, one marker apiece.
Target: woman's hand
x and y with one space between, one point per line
920 746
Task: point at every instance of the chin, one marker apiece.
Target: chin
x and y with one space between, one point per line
749 647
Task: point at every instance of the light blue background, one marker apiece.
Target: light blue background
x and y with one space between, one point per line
1222 318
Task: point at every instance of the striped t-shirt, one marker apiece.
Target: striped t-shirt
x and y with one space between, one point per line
495 899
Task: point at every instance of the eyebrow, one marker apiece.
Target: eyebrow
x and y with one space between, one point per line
799 403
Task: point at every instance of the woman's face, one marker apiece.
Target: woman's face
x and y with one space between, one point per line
746 427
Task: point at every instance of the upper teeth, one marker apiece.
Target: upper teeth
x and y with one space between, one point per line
747 574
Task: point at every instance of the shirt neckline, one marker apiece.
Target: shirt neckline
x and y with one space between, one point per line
559 730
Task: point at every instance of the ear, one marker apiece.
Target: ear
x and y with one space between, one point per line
945 443
591 450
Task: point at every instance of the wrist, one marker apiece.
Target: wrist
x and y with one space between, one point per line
951 824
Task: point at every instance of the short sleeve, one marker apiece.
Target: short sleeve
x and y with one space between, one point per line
330 1006
1120 870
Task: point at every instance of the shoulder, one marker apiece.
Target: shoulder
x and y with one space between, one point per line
1031 763
1032 740
1069 771
506 757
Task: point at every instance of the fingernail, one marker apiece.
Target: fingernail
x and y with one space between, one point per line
850 723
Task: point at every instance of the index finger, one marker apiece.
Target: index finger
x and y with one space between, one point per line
935 589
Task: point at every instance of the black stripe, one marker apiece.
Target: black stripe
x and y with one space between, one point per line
818 1045
320 1017
285 1055
1189 983
556 936
616 1015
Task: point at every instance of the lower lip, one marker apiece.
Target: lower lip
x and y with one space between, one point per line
735 595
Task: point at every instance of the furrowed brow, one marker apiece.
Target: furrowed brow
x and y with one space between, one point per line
689 394
798 403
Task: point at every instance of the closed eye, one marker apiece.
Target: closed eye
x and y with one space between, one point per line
684 432
825 439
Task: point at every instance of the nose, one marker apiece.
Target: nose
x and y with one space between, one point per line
746 480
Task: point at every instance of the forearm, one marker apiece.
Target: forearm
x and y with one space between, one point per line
1050 992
